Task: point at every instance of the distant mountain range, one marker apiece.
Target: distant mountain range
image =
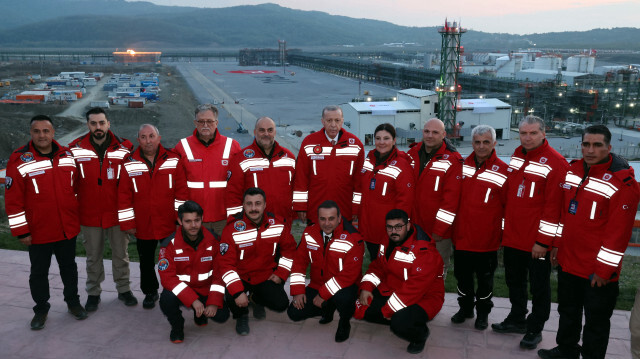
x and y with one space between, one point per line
121 24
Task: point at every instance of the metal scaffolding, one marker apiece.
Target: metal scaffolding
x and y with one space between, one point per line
447 87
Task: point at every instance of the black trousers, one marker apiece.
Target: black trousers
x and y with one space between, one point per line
409 323
517 266
267 293
170 306
147 252
40 257
482 265
344 301
574 295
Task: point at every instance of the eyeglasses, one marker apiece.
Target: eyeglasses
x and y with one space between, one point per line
397 227
208 123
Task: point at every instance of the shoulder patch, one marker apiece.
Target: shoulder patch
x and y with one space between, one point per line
249 153
26 157
495 168
352 141
224 247
7 182
163 264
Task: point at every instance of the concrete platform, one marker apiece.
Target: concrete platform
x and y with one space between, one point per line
117 331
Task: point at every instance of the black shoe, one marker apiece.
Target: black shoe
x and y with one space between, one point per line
242 325
461 316
531 340
509 327
416 347
176 335
150 301
128 298
92 303
200 321
555 353
78 312
258 311
482 321
326 318
38 321
344 328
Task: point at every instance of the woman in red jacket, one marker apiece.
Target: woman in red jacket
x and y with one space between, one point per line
386 183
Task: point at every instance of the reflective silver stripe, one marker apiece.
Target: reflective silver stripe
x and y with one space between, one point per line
492 177
326 151
195 184
600 187
547 228
538 169
285 162
572 179
395 303
516 163
404 257
445 216
118 154
468 171
187 149
118 175
217 288
82 170
503 223
357 197
227 148
488 296
285 263
435 188
315 173
177 203
462 294
531 191
136 166
233 210
17 220
79 152
179 288
609 257
205 276
384 189
406 275
341 246
391 171
442 165
126 214
184 277
169 164
255 180
352 150
332 286
230 277
34 166
245 236
372 278
218 184
242 254
593 210
340 264
486 196
559 231
250 163
351 169
297 279
35 185
135 186
300 196
170 181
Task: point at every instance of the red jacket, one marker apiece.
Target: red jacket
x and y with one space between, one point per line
384 187
250 253
149 197
39 195
334 266
188 272
207 170
98 181
593 240
478 225
274 175
534 197
326 172
437 189
411 275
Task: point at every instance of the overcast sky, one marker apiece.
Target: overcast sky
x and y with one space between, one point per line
514 17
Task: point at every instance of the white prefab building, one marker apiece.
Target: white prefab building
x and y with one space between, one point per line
408 115
489 111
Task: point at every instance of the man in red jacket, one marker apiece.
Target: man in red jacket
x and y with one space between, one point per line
151 189
99 155
189 273
477 230
334 249
251 244
532 212
205 157
404 287
43 213
437 168
600 201
266 165
328 167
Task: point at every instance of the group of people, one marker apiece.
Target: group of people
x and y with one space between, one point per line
222 216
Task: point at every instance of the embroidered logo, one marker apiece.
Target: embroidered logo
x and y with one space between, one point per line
26 157
249 153
317 149
543 160
240 226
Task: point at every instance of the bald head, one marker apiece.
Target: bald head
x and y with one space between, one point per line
265 134
433 134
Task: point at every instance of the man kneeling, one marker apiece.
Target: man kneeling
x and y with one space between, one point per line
404 286
334 249
190 275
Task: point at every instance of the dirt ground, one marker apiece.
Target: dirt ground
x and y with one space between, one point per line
172 114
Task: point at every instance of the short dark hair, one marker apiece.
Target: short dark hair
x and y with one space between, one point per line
397 214
189 207
252 191
386 127
95 111
41 118
328 204
599 130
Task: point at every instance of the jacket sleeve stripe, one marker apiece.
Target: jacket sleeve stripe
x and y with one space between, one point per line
445 216
17 220
297 279
126 214
395 303
285 263
187 149
230 277
217 288
179 288
332 286
609 257
371 278
548 229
